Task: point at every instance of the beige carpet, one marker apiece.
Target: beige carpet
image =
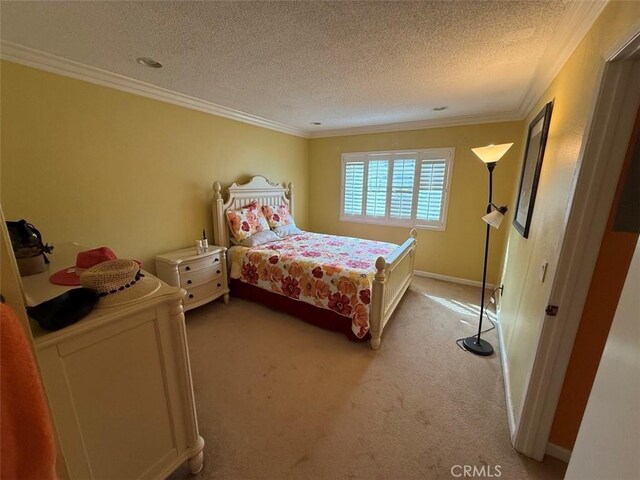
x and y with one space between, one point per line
280 399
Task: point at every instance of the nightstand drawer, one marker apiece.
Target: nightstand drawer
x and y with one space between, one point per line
193 265
204 275
200 292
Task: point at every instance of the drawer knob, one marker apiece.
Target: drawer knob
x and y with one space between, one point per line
188 268
219 285
217 271
191 295
189 282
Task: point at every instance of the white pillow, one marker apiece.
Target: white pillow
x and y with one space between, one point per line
260 238
286 230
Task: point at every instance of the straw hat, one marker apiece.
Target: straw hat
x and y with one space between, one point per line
118 281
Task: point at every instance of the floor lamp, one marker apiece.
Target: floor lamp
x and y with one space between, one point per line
490 156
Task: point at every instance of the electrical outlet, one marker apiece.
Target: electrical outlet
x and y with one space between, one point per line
543 271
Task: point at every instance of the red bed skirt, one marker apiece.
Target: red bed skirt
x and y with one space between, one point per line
319 317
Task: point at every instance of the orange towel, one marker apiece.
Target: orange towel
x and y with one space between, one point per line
28 449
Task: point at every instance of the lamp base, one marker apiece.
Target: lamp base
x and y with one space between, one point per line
479 347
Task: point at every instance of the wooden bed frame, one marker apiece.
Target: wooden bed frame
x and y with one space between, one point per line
393 272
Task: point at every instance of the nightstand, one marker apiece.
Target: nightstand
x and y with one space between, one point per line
203 276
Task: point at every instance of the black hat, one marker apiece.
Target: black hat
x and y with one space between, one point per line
65 309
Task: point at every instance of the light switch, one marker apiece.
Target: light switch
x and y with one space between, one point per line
543 271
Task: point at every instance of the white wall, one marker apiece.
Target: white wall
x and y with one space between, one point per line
608 444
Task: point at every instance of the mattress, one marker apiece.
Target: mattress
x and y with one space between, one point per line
330 272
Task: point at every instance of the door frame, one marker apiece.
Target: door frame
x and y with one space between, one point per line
609 129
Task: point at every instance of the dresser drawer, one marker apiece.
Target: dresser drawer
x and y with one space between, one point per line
201 292
193 265
204 275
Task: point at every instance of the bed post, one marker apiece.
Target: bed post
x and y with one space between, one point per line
290 196
377 302
220 231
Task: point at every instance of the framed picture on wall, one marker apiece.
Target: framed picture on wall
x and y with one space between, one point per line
531 167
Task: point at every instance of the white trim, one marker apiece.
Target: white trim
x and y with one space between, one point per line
600 161
556 451
627 48
421 124
69 68
446 278
505 377
574 25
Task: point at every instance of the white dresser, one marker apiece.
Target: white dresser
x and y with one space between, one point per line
119 383
203 276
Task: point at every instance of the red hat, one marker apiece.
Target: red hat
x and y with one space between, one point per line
84 260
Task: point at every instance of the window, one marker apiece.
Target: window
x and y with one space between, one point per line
403 188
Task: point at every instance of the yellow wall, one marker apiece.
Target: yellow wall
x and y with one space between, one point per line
98 166
573 90
457 251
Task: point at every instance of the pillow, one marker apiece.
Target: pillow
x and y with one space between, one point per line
260 238
277 216
246 221
286 230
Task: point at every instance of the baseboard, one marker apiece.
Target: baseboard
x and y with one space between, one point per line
507 385
446 278
556 451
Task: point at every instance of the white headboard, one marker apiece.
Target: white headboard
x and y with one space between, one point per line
259 189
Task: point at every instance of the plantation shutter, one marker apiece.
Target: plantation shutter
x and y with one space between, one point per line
377 185
353 185
431 190
399 188
403 175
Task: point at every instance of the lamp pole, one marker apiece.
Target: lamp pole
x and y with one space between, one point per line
475 344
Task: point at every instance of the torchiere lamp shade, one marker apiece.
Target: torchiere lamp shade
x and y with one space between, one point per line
494 218
491 153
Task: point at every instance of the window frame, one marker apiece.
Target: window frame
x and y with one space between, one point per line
446 153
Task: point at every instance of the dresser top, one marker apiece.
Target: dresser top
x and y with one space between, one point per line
37 289
186 254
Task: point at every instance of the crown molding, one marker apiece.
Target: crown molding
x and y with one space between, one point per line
421 124
573 27
52 63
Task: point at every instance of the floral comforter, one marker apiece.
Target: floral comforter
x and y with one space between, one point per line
327 271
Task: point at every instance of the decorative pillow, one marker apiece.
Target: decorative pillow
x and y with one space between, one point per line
277 216
246 221
260 238
286 230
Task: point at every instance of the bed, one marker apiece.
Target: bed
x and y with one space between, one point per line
345 284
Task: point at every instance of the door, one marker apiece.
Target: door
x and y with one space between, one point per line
609 438
595 183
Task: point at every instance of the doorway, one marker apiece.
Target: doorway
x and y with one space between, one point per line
593 192
616 252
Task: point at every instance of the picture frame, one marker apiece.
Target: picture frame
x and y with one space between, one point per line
531 168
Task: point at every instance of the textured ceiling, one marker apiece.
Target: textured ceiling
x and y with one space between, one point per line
345 64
